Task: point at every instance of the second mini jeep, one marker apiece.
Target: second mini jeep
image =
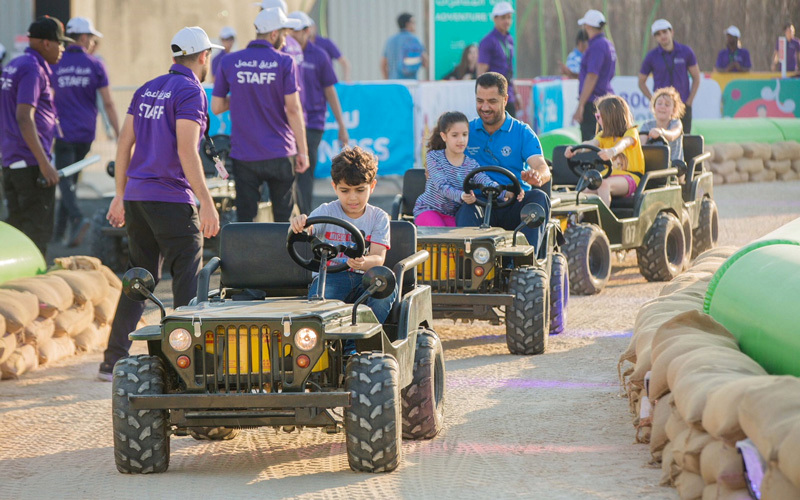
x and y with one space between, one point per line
258 352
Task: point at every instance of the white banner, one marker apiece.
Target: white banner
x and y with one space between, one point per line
431 99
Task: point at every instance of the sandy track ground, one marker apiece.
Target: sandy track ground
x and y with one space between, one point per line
550 426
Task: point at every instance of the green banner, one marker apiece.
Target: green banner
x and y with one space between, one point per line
459 23
776 98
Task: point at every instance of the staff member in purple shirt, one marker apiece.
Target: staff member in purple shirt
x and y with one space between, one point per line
792 51
28 121
227 37
332 50
77 79
496 51
671 63
733 58
290 46
317 91
156 186
268 131
597 69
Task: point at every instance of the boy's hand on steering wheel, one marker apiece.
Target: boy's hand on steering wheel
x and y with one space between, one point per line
357 264
298 223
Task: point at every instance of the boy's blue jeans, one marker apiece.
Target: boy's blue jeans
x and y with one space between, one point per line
346 286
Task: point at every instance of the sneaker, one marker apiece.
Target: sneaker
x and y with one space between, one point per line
105 376
79 229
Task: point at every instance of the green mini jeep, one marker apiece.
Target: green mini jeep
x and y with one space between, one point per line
258 352
666 222
490 273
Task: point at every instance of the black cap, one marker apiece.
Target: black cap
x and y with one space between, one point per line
48 28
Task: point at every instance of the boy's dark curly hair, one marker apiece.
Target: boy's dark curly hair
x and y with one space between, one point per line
354 166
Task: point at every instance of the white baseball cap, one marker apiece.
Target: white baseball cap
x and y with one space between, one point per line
191 41
270 4
501 9
82 25
303 18
660 24
274 19
227 32
733 31
593 18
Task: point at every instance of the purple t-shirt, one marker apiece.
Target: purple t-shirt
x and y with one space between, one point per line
328 46
76 79
258 79
215 62
155 172
670 69
792 48
26 80
317 75
497 50
601 59
725 57
294 49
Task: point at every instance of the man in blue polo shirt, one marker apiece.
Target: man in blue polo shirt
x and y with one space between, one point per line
157 184
268 135
671 63
496 138
496 51
77 79
597 69
404 53
28 121
316 93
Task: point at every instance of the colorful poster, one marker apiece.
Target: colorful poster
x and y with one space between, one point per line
455 24
548 106
380 119
761 99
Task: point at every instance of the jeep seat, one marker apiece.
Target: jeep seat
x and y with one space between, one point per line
562 175
656 157
413 186
694 154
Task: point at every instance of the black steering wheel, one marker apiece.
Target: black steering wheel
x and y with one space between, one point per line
588 160
514 187
320 247
658 141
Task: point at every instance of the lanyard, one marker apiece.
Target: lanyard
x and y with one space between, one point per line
670 68
507 53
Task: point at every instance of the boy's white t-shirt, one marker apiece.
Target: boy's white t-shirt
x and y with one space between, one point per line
374 225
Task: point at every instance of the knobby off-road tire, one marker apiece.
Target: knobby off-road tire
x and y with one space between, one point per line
528 318
373 424
213 433
688 238
141 437
589 255
707 232
423 399
661 256
111 250
559 293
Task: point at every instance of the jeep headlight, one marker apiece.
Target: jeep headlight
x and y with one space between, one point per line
180 339
481 255
305 339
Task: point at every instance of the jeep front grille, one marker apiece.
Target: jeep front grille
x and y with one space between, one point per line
446 269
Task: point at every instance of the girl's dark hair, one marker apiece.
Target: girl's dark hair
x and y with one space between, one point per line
616 114
443 125
463 67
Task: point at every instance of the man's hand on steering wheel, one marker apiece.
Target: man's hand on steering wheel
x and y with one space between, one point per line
515 188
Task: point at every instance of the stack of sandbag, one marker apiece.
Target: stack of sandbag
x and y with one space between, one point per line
725 163
48 317
785 160
754 162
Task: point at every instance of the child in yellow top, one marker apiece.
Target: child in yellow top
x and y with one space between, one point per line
618 141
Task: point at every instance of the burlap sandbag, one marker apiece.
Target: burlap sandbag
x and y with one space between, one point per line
778 166
696 292
53 293
791 175
684 280
675 425
8 344
724 167
690 323
669 469
736 177
752 166
776 486
796 166
18 309
641 368
706 266
673 347
691 391
722 463
74 262
721 414
709 458
112 279
39 330
87 286
767 413
102 332
2 326
74 320
687 453
789 454
721 492
782 151
710 360
723 252
86 340
104 312
764 176
656 312
55 349
661 413
727 151
756 150
719 179
23 360
690 485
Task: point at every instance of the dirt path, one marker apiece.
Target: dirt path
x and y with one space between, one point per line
550 426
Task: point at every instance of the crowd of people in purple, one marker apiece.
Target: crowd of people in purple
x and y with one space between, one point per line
278 89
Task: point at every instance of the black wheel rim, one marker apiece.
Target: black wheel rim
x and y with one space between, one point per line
598 263
438 384
673 248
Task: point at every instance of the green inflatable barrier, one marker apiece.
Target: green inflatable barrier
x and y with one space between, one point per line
754 295
558 137
19 257
738 130
789 127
